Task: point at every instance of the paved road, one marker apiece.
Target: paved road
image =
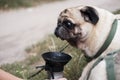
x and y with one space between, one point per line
24 27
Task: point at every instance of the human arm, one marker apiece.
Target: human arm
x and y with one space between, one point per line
7 76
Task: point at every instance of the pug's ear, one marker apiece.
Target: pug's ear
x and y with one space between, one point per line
90 15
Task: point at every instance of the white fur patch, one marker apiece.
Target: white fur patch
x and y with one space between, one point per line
99 72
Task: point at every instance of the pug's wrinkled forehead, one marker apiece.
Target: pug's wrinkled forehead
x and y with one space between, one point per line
80 15
71 14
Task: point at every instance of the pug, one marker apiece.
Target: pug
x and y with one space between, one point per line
87 28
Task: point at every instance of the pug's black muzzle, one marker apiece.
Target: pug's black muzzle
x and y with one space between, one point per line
62 33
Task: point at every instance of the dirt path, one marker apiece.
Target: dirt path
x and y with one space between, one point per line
21 28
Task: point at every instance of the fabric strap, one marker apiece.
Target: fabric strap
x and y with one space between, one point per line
107 41
110 67
109 58
96 63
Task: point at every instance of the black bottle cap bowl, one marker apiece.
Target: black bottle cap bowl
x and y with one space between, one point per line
55 61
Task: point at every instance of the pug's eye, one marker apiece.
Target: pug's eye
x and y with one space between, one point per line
68 24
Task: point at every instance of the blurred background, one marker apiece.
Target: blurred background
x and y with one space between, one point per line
26 31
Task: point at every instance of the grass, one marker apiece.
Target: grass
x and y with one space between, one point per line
51 43
22 71
13 4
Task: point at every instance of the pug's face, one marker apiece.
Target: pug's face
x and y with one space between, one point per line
76 24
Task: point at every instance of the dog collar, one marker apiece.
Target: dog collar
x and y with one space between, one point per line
107 41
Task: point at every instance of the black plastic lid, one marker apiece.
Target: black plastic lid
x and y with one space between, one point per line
55 61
